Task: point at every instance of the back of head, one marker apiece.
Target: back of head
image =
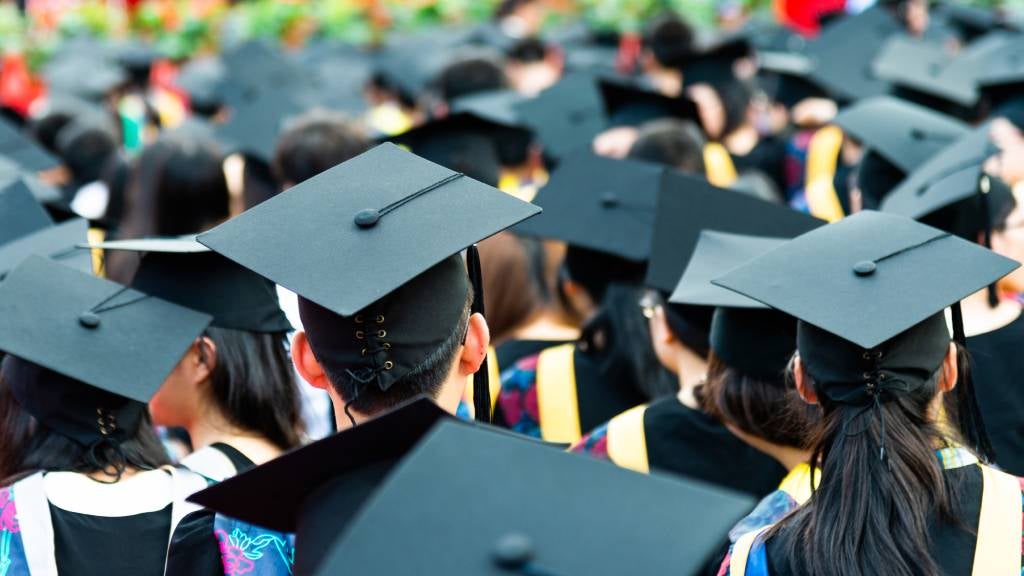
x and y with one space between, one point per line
469 75
513 284
314 142
969 217
670 39
595 271
675 143
401 330
31 445
527 51
85 147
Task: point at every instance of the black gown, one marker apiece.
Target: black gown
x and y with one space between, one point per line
88 545
767 157
996 368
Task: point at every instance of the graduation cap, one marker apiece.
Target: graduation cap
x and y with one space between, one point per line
202 79
861 278
256 68
905 134
315 490
57 242
567 116
950 176
22 151
846 73
715 58
870 291
601 204
628 104
744 333
86 354
85 74
183 271
689 204
998 64
254 126
20 212
500 504
389 227
922 71
463 142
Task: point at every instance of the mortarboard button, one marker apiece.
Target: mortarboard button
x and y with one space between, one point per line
90 320
864 268
513 551
367 218
609 200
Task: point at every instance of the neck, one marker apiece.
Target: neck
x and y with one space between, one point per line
788 456
691 370
546 326
214 428
980 318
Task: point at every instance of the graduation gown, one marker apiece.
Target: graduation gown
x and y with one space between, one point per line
564 390
989 503
667 436
209 544
64 522
996 366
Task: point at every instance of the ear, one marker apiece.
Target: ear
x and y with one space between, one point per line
663 331
950 370
205 359
306 363
474 350
803 383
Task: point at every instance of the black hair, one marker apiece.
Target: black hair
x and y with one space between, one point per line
691 325
670 39
85 149
29 447
876 177
46 128
767 408
509 7
735 96
595 271
527 51
314 142
177 187
886 504
253 384
426 379
469 76
675 143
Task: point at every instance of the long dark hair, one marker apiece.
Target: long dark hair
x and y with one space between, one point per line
871 515
254 386
177 187
768 408
29 447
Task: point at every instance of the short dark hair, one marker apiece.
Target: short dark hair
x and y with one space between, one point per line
316 141
469 76
29 446
253 384
675 143
86 148
669 38
528 50
425 379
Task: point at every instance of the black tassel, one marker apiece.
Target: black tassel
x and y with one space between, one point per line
481 380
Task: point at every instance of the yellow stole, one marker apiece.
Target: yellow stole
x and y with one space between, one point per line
718 166
556 395
627 440
822 158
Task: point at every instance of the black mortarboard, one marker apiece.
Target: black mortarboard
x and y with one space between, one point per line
255 124
57 242
291 482
998 65
254 69
714 60
744 333
868 277
20 212
952 175
905 134
846 73
923 72
202 79
567 116
462 142
510 503
388 226
786 77
85 354
600 204
183 271
85 74
628 104
689 204
22 151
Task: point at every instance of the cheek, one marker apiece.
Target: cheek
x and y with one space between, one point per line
170 405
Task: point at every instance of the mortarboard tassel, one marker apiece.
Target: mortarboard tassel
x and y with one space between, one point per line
481 380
